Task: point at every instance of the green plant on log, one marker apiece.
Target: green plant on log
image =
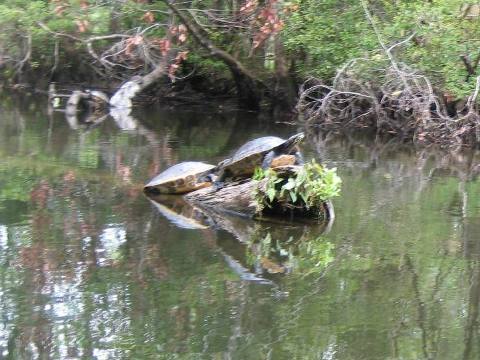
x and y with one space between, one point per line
308 188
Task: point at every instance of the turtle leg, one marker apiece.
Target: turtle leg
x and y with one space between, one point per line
220 181
267 160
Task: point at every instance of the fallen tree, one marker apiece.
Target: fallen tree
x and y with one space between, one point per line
287 191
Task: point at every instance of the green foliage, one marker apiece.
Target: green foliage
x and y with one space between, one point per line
320 36
51 23
331 32
206 65
309 187
328 33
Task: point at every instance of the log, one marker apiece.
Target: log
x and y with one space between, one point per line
233 198
123 97
74 102
238 198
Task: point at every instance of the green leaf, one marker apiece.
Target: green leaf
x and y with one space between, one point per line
271 194
293 196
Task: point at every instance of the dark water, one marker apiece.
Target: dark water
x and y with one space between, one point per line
90 268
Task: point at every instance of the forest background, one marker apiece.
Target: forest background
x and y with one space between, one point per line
415 60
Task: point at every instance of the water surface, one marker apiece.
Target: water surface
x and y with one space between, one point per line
90 268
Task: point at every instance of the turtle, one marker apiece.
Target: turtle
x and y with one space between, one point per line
181 178
262 152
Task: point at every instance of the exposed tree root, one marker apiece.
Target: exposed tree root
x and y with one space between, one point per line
405 105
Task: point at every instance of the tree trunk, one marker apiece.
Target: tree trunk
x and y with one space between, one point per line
249 87
124 95
285 87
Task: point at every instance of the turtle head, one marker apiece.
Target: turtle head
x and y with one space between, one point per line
294 140
221 165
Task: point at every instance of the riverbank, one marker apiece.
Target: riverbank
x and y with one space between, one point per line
409 70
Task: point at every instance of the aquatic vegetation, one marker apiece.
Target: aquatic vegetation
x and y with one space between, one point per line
308 188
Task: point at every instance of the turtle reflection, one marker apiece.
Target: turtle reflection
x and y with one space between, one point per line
179 213
258 250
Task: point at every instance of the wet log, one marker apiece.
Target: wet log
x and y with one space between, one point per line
239 198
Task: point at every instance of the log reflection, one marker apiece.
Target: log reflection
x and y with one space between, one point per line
262 249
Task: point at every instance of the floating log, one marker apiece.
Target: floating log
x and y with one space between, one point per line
239 198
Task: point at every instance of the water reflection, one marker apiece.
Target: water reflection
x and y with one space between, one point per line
85 122
258 249
89 268
123 118
181 214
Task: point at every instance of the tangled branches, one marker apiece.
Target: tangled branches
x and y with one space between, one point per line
135 51
399 102
384 94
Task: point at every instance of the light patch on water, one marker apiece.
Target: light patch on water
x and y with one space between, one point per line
102 354
330 352
3 237
61 310
62 346
5 332
111 239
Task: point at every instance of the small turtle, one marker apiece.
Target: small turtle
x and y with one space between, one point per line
262 152
181 178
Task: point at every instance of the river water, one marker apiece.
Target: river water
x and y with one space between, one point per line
90 268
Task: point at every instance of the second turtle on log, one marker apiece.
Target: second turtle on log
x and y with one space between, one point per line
265 152
181 178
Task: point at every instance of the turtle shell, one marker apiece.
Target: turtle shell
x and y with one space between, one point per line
252 154
258 146
180 178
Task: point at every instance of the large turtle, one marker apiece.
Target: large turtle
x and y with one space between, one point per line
262 152
181 178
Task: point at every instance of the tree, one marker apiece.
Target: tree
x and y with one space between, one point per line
143 42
